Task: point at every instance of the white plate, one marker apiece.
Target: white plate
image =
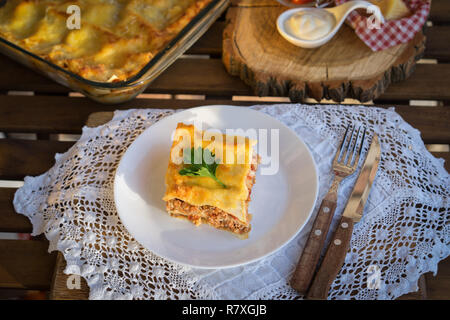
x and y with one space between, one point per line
281 203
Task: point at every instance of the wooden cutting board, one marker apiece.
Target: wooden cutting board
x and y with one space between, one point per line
343 68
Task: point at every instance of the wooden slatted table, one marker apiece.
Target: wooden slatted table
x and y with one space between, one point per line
42 110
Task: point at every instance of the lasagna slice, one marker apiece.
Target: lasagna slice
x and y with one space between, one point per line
218 193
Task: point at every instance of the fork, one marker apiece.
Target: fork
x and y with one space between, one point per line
345 163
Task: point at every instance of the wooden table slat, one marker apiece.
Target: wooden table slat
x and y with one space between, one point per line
428 82
208 76
10 221
437 44
440 11
211 42
26 264
59 114
28 157
68 115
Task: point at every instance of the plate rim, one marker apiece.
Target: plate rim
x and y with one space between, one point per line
232 265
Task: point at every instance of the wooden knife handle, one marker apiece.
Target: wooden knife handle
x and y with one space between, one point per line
333 260
303 274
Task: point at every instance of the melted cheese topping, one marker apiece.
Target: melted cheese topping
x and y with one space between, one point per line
199 191
116 40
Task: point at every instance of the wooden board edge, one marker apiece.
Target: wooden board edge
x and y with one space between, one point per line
401 69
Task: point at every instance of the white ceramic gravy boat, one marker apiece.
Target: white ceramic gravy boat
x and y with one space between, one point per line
339 15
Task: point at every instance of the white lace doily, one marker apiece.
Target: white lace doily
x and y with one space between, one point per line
404 231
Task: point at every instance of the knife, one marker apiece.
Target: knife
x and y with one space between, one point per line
340 242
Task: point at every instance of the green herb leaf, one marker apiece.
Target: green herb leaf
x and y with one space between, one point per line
200 170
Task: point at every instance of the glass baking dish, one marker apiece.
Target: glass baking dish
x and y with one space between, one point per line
117 92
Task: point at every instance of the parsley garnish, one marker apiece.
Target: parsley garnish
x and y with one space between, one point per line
200 170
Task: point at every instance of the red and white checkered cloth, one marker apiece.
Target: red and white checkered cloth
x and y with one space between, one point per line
390 33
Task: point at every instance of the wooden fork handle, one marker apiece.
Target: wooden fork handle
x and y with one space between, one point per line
307 264
333 260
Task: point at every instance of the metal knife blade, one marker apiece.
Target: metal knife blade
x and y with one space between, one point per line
355 205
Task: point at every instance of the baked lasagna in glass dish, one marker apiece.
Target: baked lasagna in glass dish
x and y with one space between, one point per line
210 180
113 50
115 39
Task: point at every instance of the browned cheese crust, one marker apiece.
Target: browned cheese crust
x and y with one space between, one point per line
114 41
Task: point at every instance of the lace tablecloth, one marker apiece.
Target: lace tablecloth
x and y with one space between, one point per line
404 231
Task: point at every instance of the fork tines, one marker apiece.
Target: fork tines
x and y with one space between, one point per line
351 146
